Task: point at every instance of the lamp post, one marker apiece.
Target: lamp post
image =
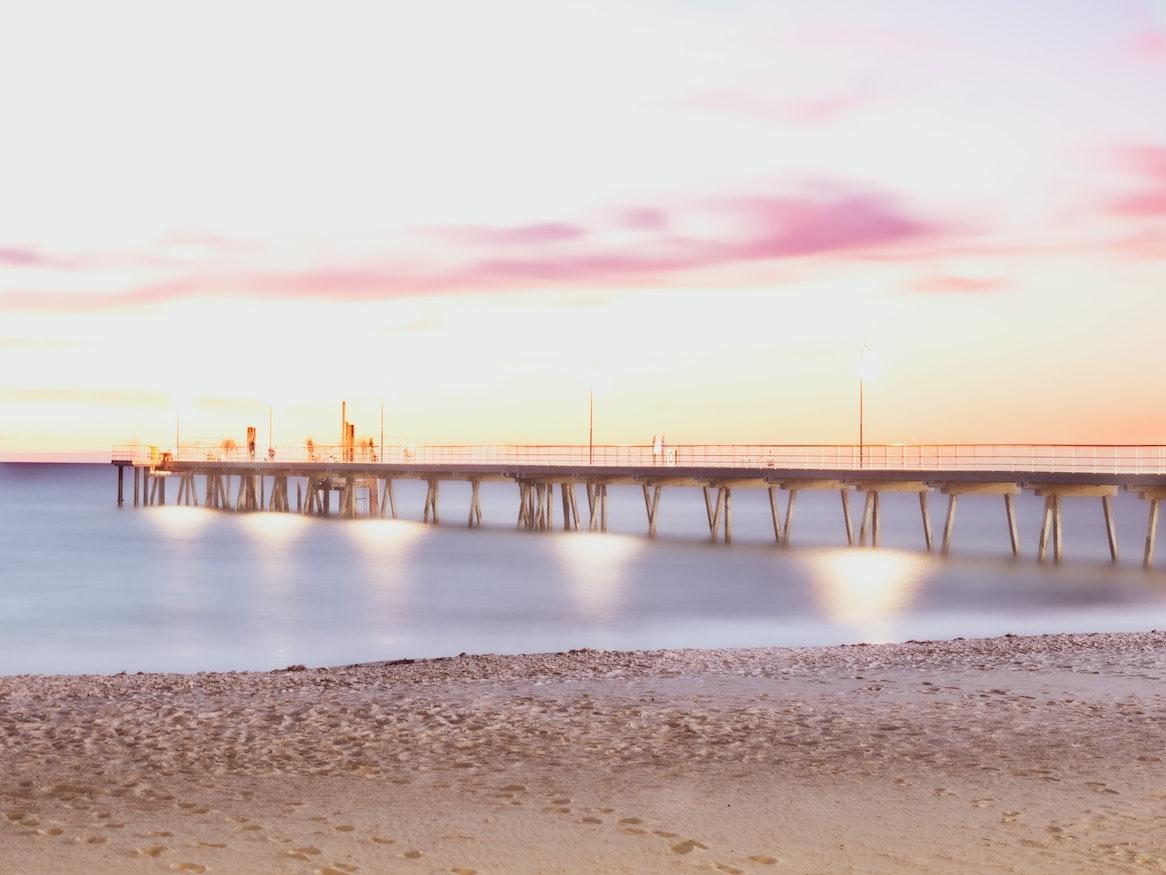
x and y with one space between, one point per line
591 417
862 353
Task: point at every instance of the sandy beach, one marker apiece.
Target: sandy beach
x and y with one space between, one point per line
1040 754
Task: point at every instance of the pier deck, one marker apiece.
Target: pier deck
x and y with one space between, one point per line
235 481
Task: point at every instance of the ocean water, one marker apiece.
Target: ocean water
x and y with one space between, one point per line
88 587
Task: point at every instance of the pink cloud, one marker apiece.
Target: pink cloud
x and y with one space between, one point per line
643 218
734 232
946 284
11 256
1148 163
1151 45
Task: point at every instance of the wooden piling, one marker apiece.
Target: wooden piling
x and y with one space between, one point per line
773 513
651 505
789 516
1010 513
926 520
1151 533
1110 534
121 473
845 493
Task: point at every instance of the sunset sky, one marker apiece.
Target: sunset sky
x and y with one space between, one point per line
456 208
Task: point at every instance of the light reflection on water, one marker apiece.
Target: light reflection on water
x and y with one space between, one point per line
867 589
594 566
86 587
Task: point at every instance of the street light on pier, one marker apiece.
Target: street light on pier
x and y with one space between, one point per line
864 371
591 415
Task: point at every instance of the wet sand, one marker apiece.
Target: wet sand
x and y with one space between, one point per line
1040 754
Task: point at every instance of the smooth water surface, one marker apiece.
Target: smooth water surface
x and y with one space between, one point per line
88 587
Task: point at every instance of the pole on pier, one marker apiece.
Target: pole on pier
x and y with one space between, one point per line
121 472
137 477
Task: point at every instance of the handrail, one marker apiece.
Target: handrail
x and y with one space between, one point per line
1042 458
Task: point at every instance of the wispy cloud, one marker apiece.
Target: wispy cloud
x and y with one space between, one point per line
1148 165
949 284
624 247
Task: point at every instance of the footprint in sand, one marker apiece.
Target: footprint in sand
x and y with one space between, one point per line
561 800
763 859
724 867
1010 817
212 844
464 871
412 855
152 851
344 828
96 840
631 820
513 788
305 853
688 846
589 819
188 867
381 840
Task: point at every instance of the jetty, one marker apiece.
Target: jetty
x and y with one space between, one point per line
350 480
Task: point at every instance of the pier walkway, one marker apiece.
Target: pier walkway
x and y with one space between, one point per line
351 480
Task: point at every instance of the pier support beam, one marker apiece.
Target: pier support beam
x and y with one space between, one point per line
1153 496
1151 534
1053 493
475 519
121 475
774 513
845 494
137 477
431 510
720 514
954 490
789 515
597 506
871 517
651 505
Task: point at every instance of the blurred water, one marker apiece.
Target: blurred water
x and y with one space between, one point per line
86 587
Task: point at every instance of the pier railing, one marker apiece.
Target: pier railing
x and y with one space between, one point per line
1044 458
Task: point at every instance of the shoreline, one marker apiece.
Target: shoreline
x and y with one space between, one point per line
1040 753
